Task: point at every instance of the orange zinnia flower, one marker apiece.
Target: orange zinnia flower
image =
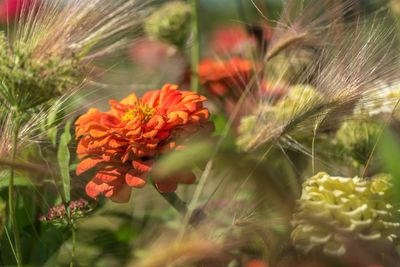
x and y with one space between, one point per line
121 144
226 78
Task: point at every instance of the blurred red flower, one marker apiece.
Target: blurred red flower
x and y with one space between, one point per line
151 53
11 9
256 263
237 39
273 92
231 39
153 57
122 143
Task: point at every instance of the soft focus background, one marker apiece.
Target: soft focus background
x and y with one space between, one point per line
125 234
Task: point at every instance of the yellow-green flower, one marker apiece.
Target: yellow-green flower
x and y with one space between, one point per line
336 211
170 23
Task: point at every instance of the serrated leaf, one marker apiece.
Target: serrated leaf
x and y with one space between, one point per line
63 157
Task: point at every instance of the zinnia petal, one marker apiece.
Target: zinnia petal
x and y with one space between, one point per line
166 186
109 176
87 164
142 166
130 100
122 195
186 178
133 179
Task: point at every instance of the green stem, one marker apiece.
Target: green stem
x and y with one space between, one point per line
195 51
174 200
11 194
73 230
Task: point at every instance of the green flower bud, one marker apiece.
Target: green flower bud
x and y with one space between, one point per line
334 212
356 140
170 23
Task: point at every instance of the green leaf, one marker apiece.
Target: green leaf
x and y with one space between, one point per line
19 180
52 134
221 123
186 159
63 157
389 151
54 118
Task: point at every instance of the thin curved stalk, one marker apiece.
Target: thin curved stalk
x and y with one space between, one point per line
283 44
315 132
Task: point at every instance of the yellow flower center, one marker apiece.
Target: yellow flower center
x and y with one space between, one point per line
141 111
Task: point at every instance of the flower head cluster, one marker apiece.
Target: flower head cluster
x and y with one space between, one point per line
334 212
122 144
170 23
28 81
58 215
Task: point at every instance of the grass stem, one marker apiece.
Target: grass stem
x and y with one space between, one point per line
195 49
197 215
73 231
11 194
